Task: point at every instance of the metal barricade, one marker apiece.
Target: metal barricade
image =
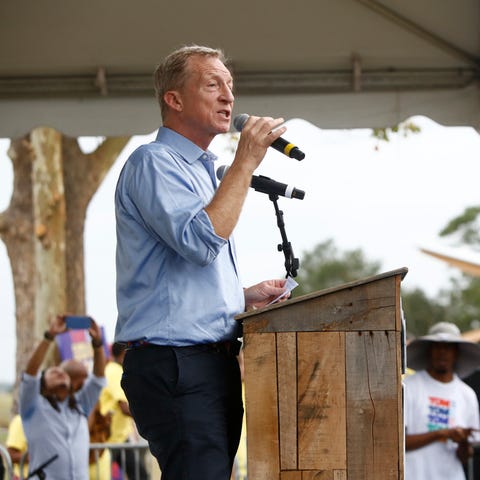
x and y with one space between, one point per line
138 449
7 461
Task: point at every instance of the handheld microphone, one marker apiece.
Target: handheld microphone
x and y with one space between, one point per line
267 185
280 144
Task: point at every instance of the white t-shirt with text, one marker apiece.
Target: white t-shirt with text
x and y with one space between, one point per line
433 405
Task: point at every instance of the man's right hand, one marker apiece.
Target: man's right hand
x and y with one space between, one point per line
459 434
257 135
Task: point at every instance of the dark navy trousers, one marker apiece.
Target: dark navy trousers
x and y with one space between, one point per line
187 403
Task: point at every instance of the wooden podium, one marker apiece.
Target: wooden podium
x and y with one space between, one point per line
323 384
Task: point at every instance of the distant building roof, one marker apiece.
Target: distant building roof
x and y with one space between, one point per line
462 258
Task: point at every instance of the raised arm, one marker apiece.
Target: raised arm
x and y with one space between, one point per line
225 207
57 325
98 350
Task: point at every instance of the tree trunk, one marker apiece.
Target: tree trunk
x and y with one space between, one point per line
43 227
49 224
17 232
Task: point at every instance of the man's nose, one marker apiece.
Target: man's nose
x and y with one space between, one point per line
227 94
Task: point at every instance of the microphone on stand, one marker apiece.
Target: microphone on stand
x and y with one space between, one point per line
267 185
273 189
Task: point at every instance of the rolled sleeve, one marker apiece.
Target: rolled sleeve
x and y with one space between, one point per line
170 202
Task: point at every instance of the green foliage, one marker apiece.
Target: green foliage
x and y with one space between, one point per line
385 133
466 226
463 302
421 312
459 304
326 267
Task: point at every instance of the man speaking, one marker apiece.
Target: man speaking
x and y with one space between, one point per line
178 284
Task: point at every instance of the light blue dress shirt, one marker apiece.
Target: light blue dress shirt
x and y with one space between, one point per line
64 433
177 280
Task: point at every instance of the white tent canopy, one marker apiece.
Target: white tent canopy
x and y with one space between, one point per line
85 67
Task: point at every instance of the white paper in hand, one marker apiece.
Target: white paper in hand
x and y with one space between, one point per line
290 284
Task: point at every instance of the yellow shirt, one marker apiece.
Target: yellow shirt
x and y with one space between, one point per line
240 466
16 439
122 425
102 470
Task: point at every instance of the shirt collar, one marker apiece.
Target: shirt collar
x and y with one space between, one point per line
187 149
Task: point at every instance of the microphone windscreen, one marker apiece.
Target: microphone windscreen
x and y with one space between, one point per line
221 171
239 121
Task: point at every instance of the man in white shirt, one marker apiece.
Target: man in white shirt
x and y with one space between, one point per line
441 411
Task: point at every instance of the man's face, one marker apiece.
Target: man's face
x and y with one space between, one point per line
443 357
206 100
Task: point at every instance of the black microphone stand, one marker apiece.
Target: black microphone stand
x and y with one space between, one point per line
39 471
291 263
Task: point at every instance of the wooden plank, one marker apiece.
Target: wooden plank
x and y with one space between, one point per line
291 475
317 475
373 381
261 407
321 401
398 313
287 399
401 361
368 306
399 402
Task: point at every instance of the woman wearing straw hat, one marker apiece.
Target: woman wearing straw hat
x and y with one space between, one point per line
441 411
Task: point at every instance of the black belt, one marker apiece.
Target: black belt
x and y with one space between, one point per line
229 347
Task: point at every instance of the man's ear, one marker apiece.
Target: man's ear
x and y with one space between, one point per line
174 100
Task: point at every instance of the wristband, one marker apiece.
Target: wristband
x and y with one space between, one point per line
97 343
48 336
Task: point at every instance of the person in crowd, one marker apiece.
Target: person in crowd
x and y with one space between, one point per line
16 444
113 401
54 417
240 464
100 459
473 380
98 424
178 282
441 411
77 371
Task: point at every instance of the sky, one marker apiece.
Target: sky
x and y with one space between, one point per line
386 198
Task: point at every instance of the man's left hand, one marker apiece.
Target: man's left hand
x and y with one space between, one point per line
263 293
